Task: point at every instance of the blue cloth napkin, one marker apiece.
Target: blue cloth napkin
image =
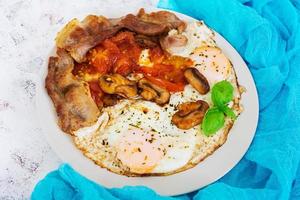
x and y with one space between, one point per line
267 35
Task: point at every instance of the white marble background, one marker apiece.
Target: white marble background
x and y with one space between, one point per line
27 32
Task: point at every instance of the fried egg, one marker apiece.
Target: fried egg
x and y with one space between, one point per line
136 137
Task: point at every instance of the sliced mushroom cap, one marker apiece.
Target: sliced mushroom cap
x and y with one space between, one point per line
190 114
197 80
152 92
129 91
117 84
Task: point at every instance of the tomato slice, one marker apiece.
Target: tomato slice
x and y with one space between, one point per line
96 93
157 70
178 62
123 66
111 47
157 55
101 60
94 86
151 71
171 87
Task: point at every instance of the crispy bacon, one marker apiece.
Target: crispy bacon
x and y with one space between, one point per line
79 37
72 99
166 18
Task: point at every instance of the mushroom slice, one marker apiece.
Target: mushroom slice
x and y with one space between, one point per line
117 84
190 114
129 90
197 80
152 92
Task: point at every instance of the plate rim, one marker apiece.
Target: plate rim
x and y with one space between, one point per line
159 183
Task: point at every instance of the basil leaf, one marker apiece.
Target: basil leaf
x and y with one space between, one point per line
222 93
228 112
214 119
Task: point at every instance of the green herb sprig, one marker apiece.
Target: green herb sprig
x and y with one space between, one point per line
214 119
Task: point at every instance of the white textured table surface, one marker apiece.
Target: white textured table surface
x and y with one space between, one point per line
27 32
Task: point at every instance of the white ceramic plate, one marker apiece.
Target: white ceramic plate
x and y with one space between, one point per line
206 172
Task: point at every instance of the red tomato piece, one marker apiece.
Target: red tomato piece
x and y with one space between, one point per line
96 93
171 87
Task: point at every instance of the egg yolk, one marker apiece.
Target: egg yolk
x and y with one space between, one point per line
139 150
212 63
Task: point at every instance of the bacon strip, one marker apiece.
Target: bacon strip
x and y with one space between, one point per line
71 97
79 37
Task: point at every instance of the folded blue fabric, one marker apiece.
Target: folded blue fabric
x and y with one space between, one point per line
267 35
